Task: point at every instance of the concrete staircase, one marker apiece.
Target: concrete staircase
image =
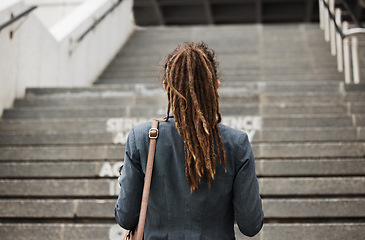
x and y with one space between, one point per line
60 149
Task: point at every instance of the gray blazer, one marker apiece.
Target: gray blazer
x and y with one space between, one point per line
173 212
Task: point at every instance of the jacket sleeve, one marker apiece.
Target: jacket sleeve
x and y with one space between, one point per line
246 199
128 205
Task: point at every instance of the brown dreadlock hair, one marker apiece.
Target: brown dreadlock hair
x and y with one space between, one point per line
191 78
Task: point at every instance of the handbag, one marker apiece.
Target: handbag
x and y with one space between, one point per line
138 234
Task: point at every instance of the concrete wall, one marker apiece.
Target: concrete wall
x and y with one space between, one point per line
49 12
37 57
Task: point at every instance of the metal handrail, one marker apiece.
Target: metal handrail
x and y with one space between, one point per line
350 32
16 18
99 20
332 23
353 31
333 19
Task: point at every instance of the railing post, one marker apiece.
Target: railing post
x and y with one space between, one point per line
355 59
332 28
326 24
339 41
346 55
321 9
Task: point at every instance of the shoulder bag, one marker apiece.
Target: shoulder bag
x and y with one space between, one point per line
138 234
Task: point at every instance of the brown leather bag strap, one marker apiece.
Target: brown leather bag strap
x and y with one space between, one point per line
153 135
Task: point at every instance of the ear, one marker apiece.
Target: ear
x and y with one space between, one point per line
164 83
218 84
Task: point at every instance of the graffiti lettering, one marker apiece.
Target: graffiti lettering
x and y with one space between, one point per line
120 127
109 170
114 188
248 124
243 123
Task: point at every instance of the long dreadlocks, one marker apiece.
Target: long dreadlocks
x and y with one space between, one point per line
191 79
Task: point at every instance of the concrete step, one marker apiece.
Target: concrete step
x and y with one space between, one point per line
266 74
90 112
149 71
67 125
232 46
104 137
313 121
60 169
98 152
243 74
310 167
264 167
163 49
312 208
111 231
318 134
308 150
161 99
160 111
57 138
87 169
269 187
230 61
354 87
360 120
57 208
116 152
308 186
298 231
120 90
312 97
103 208
287 85
299 108
105 230
233 78
262 50
151 89
358 107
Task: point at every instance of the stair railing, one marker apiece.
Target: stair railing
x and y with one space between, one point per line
74 42
341 38
97 21
16 18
